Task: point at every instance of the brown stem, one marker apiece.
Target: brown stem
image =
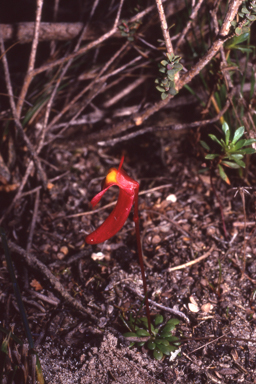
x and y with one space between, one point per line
137 229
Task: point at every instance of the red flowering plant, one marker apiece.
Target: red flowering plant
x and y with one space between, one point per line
128 195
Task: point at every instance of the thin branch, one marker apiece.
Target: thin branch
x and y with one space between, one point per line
124 92
18 194
40 170
230 15
29 76
192 18
90 86
34 263
192 262
164 308
140 117
164 27
165 128
33 222
84 49
55 13
118 14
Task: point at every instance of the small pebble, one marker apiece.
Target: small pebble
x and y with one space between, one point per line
60 255
156 239
210 231
97 256
172 198
193 307
55 248
64 250
207 307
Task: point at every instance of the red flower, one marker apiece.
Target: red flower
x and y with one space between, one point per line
128 194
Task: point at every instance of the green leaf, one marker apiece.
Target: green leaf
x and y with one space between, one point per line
238 133
244 49
151 345
162 342
223 144
232 43
178 67
170 56
158 319
142 332
238 145
223 174
164 96
230 164
246 29
238 31
167 349
249 142
171 74
140 343
214 138
130 334
167 329
240 163
204 145
211 156
225 128
173 321
158 355
245 10
172 339
5 343
236 156
247 151
173 91
251 17
160 89
164 63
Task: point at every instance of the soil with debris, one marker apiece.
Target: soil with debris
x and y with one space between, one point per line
180 222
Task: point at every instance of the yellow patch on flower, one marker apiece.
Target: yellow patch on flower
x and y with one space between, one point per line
111 177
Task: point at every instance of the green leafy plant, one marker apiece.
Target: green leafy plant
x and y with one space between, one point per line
160 341
247 15
232 151
129 29
168 69
235 43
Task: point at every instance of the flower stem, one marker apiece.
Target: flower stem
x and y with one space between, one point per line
137 229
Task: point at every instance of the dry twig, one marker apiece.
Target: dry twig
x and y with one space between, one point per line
192 262
34 263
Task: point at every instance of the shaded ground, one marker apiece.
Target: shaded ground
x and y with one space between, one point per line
75 294
75 347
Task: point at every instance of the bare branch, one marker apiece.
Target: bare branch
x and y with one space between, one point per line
16 119
31 64
192 18
164 26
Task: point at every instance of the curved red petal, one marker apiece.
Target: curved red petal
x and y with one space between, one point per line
99 195
115 220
